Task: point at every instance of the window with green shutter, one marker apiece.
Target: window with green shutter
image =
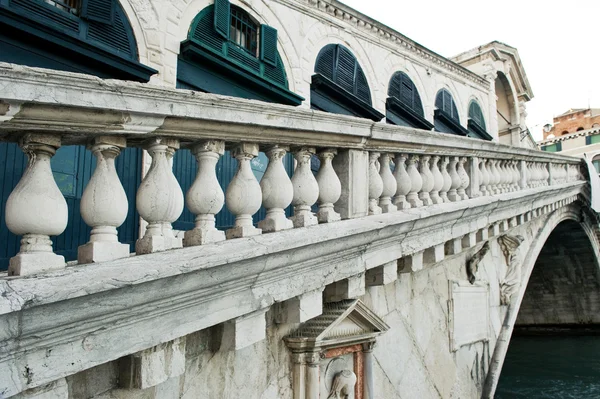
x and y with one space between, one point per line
594 139
228 52
404 106
556 147
476 122
340 85
446 118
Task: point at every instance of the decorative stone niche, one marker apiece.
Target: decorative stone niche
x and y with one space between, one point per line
332 353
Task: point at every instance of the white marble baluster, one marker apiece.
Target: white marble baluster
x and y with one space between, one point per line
447 179
456 181
104 204
402 182
438 180
427 176
529 175
306 189
159 199
464 179
490 177
516 175
277 192
389 184
205 198
484 177
497 177
503 175
36 209
375 184
546 174
330 188
416 182
243 196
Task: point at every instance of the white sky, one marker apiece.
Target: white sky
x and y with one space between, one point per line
558 41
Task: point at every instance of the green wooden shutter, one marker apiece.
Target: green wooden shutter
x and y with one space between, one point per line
325 64
406 91
222 18
346 70
102 11
268 44
588 140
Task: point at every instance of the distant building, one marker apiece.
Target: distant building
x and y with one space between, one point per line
574 120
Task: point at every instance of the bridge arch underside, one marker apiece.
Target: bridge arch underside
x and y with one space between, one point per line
564 285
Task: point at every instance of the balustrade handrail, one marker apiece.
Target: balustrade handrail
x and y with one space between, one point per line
96 107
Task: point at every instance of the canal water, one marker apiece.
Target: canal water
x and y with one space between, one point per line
551 367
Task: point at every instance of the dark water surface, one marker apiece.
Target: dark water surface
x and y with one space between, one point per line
551 367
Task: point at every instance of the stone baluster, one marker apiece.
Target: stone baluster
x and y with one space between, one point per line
375 184
243 196
438 180
389 184
416 182
277 192
427 176
464 179
545 174
306 189
402 182
536 174
159 199
529 168
503 176
330 188
515 175
484 178
456 181
36 209
490 176
205 198
447 179
104 204
496 171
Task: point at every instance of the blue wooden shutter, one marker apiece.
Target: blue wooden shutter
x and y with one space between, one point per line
588 140
268 44
559 146
222 18
102 11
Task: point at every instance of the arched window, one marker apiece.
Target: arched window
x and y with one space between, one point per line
564 132
446 119
596 163
228 52
476 123
592 139
579 129
339 84
86 36
404 106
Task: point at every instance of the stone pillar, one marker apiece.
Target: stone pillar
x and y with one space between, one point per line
36 209
352 168
427 178
104 204
312 376
205 197
330 188
243 196
402 182
375 185
474 178
389 184
277 192
369 384
306 189
159 199
416 182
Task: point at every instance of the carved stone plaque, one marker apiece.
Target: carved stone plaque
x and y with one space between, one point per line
469 313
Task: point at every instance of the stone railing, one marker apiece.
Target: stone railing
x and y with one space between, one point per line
365 168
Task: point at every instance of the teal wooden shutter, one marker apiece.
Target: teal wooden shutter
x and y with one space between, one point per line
346 70
102 11
588 140
559 146
222 18
326 61
268 44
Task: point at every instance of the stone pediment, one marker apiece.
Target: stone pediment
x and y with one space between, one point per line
342 323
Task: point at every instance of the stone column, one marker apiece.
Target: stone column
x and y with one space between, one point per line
375 185
205 198
36 209
159 199
312 375
389 184
104 204
330 187
277 192
369 384
402 182
306 189
416 182
243 195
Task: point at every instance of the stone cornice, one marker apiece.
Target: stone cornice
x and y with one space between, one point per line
98 313
566 137
363 23
79 107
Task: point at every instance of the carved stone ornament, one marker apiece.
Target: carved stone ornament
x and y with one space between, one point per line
510 285
473 263
343 385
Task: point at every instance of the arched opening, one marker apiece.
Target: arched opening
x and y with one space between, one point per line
596 163
445 117
476 123
564 132
579 129
505 108
554 343
404 106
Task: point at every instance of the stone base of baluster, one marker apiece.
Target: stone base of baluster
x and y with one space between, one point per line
151 244
444 197
25 264
401 202
202 236
388 207
436 199
242 231
414 202
374 209
275 222
328 215
101 251
304 219
425 199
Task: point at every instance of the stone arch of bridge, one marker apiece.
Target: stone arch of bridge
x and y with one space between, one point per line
538 265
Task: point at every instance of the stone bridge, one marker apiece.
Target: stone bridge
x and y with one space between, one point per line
430 246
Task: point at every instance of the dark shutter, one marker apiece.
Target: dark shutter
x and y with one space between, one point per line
102 11
406 91
326 61
346 69
222 17
268 44
476 115
559 146
444 102
588 140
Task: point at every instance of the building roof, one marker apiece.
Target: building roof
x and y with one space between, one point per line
593 111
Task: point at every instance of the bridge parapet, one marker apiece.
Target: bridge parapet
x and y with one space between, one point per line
386 200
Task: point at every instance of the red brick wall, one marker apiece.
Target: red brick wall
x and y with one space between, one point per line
571 122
